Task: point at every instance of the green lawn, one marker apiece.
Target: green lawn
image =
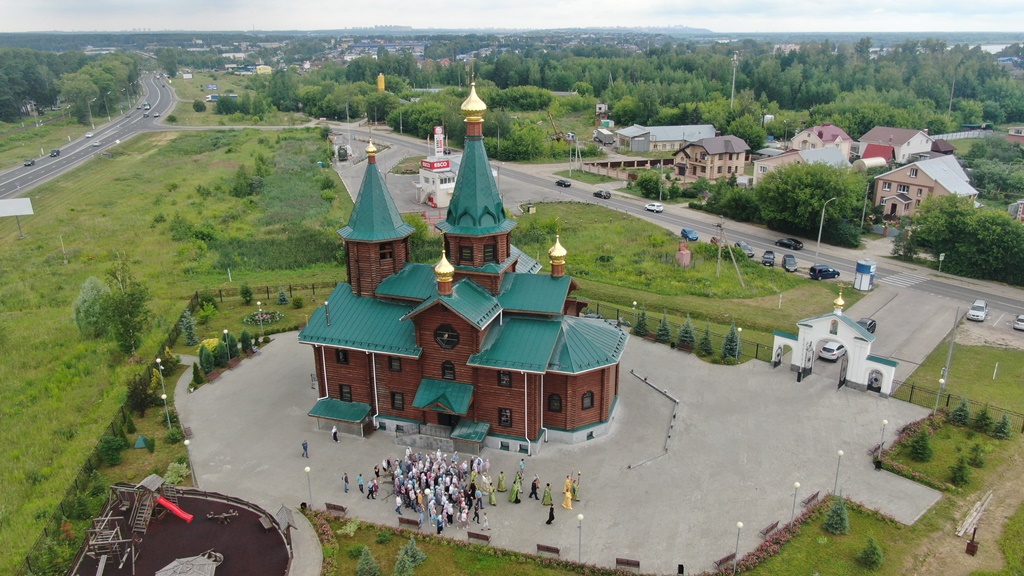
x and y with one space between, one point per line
16 145
970 375
60 391
950 443
586 177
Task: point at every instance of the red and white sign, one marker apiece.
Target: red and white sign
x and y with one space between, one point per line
435 164
438 140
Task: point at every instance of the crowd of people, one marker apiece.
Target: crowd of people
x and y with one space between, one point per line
451 491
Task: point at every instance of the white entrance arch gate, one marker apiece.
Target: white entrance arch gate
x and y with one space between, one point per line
864 371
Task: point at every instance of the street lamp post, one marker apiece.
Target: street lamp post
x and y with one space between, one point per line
259 306
579 549
634 312
820 226
226 346
166 413
881 440
736 554
739 342
160 369
942 385
188 452
309 485
792 516
838 462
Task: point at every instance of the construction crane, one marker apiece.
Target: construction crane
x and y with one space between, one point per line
558 134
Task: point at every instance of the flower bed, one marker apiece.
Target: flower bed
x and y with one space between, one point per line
266 316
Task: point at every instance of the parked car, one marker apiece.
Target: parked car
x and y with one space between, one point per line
603 194
746 248
789 263
832 350
821 272
791 243
868 324
88 134
54 153
30 162
1018 324
689 233
768 259
978 311
655 207
563 183
156 114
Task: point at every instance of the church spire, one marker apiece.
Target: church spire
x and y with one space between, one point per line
374 216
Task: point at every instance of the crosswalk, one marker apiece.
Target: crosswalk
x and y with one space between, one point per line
904 279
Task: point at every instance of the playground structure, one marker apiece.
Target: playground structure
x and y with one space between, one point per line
127 516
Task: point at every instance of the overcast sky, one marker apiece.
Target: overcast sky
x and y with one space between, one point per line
717 15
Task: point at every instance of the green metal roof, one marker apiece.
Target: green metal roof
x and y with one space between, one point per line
885 361
374 216
470 430
362 323
519 343
526 265
414 281
534 292
475 208
586 344
334 409
785 335
443 396
474 304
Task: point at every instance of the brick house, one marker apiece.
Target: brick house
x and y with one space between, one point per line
477 350
905 142
902 190
823 136
712 158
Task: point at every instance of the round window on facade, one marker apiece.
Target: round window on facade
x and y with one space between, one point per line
446 336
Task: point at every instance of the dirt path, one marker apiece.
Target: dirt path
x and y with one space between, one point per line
943 552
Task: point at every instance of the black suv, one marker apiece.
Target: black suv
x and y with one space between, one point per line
768 259
603 194
54 153
563 183
821 272
30 162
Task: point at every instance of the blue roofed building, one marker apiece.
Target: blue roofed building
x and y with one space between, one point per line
481 349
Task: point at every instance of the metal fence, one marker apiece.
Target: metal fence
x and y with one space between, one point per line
930 398
627 319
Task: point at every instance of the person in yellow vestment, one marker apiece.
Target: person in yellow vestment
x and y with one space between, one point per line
567 501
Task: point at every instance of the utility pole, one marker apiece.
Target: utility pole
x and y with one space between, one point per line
735 62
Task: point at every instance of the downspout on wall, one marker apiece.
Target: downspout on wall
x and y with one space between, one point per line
376 402
526 416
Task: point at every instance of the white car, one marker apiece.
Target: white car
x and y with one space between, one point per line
88 134
978 311
655 207
832 350
1018 324
96 143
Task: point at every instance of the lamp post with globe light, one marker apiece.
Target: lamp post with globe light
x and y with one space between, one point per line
259 315
579 555
838 463
192 470
226 345
820 226
166 413
309 485
796 487
736 554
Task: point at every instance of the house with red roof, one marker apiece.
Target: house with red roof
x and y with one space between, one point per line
905 142
823 136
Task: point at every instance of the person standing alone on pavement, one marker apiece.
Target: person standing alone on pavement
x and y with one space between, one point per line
334 433
305 449
359 481
346 482
551 514
535 487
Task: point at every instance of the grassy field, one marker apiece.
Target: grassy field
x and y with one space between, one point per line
950 443
16 145
586 177
195 89
971 371
61 390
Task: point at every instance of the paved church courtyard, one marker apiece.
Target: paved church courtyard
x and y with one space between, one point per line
742 436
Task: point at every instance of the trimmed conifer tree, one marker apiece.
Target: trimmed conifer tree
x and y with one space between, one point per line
664 333
197 375
731 344
641 324
983 421
367 565
245 340
921 446
960 473
961 415
1002 430
977 456
282 297
206 360
220 355
872 557
686 335
837 521
704 347
188 328
413 552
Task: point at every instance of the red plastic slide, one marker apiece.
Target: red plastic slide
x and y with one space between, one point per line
174 508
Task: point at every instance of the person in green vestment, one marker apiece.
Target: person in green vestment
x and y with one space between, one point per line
513 495
546 500
492 497
472 477
576 487
501 482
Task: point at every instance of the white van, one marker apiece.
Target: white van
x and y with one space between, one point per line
978 311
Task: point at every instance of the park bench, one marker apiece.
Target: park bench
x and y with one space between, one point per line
810 499
549 549
726 560
408 521
335 509
479 536
266 523
628 563
187 431
769 529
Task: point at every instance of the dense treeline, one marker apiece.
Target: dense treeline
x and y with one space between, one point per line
98 87
30 75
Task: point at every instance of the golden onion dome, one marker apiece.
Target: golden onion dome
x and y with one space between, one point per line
444 269
557 252
839 302
371 150
473 107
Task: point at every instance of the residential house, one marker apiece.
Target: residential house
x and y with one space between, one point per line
1017 211
902 190
477 350
1015 134
639 138
712 158
905 142
823 136
833 156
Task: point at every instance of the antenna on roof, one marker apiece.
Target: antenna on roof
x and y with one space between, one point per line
327 312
